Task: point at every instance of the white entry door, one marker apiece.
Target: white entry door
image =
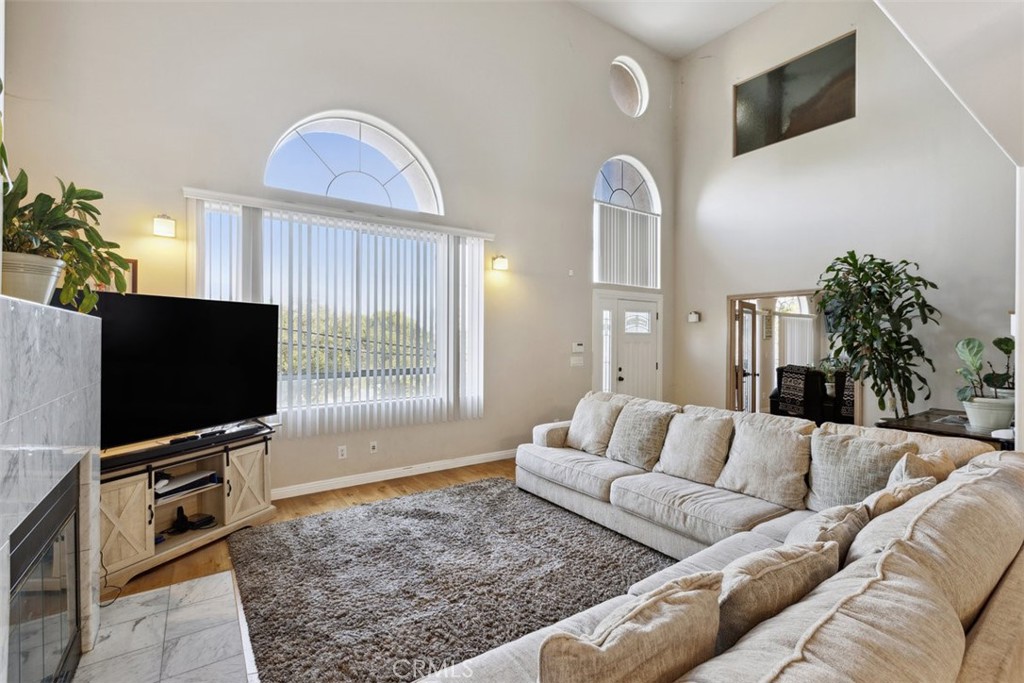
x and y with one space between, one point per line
628 346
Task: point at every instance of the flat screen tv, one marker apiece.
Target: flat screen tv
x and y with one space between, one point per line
174 365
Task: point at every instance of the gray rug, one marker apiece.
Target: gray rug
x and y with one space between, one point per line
381 591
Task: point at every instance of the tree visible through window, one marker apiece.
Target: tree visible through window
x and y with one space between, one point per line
357 158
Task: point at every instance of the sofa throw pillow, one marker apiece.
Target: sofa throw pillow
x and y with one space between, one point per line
760 585
769 464
695 447
896 494
656 639
592 422
840 524
795 424
910 466
847 469
639 433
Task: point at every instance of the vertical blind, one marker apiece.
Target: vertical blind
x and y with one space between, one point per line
627 247
380 325
796 339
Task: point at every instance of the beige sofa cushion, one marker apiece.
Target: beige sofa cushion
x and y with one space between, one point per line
910 466
896 494
995 648
696 447
768 463
880 617
760 585
840 524
712 559
639 432
959 449
846 469
664 634
780 527
793 424
969 528
593 421
582 472
704 513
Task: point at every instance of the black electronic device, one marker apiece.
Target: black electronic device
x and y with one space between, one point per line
172 365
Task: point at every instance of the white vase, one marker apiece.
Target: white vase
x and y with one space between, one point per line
989 413
31 277
830 389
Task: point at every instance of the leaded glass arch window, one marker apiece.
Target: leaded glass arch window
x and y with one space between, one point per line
354 157
622 183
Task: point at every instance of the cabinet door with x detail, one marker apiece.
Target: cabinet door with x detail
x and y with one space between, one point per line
246 485
126 522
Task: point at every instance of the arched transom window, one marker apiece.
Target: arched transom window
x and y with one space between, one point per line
621 183
355 157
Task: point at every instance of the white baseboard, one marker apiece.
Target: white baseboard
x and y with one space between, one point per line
384 475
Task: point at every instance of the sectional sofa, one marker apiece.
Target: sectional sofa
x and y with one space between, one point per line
902 551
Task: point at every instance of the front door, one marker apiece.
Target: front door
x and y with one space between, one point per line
637 348
627 344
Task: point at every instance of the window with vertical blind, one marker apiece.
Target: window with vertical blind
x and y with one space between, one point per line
381 322
627 226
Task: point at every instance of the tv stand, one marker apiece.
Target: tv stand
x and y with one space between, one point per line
133 514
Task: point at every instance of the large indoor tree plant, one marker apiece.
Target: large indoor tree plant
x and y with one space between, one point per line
871 306
59 235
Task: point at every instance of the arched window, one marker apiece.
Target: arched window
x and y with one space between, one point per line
355 157
627 225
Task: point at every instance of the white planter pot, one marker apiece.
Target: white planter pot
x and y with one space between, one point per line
989 413
830 389
31 277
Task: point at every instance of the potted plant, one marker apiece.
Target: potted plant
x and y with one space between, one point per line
829 366
871 306
46 236
984 412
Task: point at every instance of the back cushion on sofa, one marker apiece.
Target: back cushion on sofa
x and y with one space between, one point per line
794 424
758 586
910 466
639 432
840 524
880 620
593 421
770 464
896 494
656 638
959 449
969 528
847 469
696 447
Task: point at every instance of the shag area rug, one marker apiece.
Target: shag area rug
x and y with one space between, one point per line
392 590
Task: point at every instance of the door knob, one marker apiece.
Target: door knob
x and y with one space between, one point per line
622 379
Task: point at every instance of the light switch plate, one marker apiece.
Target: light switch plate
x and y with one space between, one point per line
576 362
578 347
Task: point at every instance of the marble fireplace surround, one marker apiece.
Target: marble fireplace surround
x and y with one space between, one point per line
49 425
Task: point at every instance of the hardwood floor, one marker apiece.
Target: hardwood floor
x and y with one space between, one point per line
215 558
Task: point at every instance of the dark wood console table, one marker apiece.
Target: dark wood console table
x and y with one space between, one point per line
927 423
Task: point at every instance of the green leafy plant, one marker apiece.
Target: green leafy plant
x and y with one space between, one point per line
971 352
871 306
830 365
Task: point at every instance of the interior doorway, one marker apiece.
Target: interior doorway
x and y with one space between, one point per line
627 343
767 331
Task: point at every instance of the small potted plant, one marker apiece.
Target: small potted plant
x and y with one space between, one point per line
984 411
829 366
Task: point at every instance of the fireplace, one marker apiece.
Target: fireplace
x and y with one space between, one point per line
44 642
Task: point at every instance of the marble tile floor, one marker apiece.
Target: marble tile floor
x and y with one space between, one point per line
190 632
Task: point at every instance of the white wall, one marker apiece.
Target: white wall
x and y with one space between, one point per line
912 176
509 101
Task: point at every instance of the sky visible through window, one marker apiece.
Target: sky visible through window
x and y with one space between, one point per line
354 161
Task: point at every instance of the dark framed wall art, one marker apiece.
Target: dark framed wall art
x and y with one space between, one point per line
810 92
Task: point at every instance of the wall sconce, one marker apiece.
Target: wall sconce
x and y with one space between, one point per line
164 226
499 262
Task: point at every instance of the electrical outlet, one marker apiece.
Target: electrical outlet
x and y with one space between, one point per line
373 447
342 452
